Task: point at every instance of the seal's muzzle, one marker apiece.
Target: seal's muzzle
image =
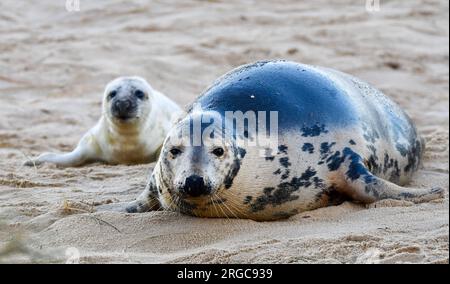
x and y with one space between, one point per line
123 109
195 186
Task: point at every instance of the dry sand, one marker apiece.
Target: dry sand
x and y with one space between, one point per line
54 65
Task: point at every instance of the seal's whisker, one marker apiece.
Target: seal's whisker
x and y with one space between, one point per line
229 210
224 214
236 209
223 211
236 206
151 208
173 204
215 207
220 207
170 206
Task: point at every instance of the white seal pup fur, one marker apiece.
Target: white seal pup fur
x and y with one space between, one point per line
338 139
135 120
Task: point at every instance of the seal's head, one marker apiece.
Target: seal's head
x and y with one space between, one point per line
127 100
197 164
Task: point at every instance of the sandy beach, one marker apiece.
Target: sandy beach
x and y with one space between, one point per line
54 65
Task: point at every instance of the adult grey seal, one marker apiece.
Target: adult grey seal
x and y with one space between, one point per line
338 139
134 122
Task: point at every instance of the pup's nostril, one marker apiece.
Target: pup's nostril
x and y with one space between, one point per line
122 106
195 186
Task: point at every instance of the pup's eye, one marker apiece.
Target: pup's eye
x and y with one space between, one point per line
218 152
112 94
139 94
175 151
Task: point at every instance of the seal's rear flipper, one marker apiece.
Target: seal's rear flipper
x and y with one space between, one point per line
367 188
71 159
77 157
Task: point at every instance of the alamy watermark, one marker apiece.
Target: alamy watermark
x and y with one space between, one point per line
246 129
73 5
371 256
373 6
72 255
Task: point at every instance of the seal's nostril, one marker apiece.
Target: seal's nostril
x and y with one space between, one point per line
195 186
122 106
126 104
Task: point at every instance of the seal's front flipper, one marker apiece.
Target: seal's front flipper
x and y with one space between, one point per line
137 206
112 207
145 202
361 185
142 205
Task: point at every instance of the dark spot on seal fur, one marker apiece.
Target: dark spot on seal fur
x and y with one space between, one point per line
242 152
277 172
152 188
325 149
356 168
313 131
248 199
308 147
318 182
414 155
372 164
285 174
370 135
284 191
335 161
282 149
352 142
391 164
234 168
285 162
277 198
407 195
268 155
388 163
306 176
185 206
268 190
372 149
333 196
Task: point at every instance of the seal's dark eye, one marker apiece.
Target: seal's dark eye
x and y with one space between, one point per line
139 94
112 94
175 152
218 152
